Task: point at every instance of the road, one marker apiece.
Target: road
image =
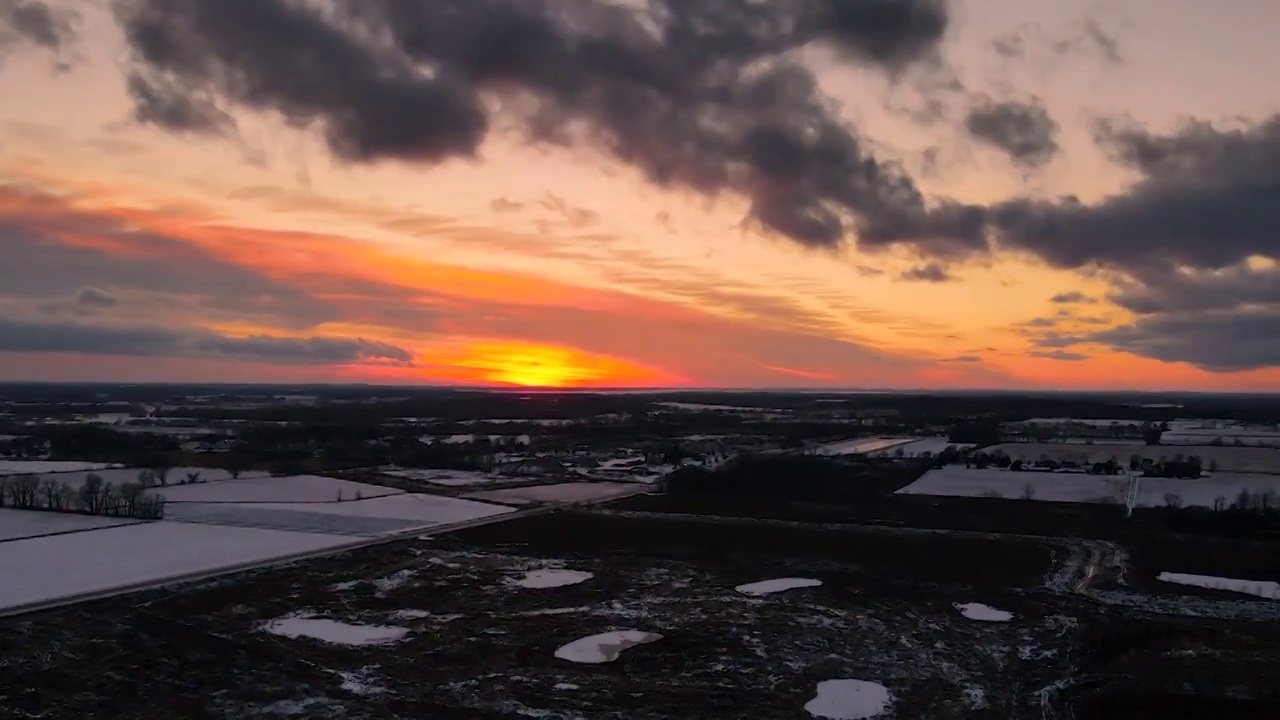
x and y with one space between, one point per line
44 605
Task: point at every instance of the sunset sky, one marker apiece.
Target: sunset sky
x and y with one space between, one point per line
621 193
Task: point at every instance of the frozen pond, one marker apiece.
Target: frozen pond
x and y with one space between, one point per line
332 631
983 613
552 578
605 647
849 700
1262 588
768 587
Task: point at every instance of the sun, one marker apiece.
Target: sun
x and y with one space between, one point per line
535 365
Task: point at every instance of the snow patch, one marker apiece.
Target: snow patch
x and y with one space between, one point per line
1262 588
604 647
983 613
552 578
766 587
332 631
849 700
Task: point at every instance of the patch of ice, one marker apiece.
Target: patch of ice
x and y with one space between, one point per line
849 700
975 698
565 686
1262 588
766 587
394 580
359 683
983 613
552 578
604 647
332 631
410 614
556 611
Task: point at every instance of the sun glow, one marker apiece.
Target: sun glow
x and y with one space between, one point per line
533 365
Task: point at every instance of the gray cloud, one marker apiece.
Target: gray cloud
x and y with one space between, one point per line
93 297
699 95
929 272
964 359
1217 341
1061 355
1092 37
1024 130
37 23
1072 298
144 341
1185 292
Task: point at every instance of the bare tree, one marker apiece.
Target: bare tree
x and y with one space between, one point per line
91 494
50 491
147 478
110 500
129 495
1220 503
1172 501
162 474
70 499
24 490
4 490
1028 492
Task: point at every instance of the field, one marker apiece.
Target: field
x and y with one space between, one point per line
955 480
558 493
1226 459
444 629
19 524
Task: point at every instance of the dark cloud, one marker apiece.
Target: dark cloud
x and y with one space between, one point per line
1091 37
1022 129
929 272
37 23
1171 291
1062 355
1219 341
158 275
1074 297
142 341
964 359
1042 323
699 95
1033 40
93 297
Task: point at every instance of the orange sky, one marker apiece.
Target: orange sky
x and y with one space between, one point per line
545 267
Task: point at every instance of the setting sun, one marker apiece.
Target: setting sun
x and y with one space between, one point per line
532 365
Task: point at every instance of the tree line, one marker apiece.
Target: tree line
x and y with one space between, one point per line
94 497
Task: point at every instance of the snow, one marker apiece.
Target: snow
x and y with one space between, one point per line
604 647
933 446
17 524
983 613
62 566
446 478
1262 588
332 631
959 481
553 578
292 489
371 517
40 467
560 493
849 700
861 446
767 587
699 407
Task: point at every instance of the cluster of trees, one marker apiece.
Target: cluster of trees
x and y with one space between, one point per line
795 477
94 497
1178 467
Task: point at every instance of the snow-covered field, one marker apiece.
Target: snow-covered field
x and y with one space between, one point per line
933 446
559 493
605 647
849 700
861 446
16 524
370 517
777 585
1229 459
1262 588
291 489
446 478
62 566
35 467
958 481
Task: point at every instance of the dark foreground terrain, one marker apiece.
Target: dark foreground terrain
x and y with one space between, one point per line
1083 643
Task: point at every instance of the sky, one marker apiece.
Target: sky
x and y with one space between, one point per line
642 193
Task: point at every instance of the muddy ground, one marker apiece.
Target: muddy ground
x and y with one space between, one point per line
1083 642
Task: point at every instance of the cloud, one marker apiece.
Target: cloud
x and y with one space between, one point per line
1092 37
1217 341
1073 297
1189 291
696 95
37 23
1024 130
964 359
149 341
93 297
1061 355
929 272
